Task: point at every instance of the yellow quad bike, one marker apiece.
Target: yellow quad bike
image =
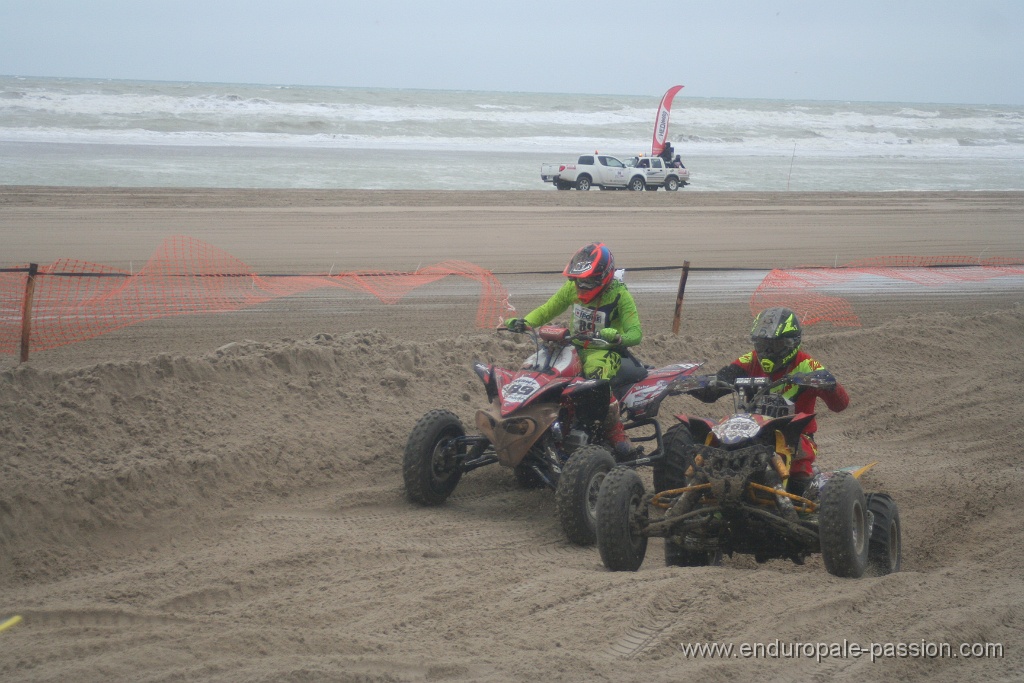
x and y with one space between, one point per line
725 492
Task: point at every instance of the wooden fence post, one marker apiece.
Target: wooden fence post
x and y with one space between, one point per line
679 298
26 310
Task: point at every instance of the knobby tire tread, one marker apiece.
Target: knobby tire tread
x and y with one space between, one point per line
839 502
885 522
417 467
621 548
679 443
570 496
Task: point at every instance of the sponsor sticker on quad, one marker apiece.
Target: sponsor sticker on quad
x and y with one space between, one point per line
643 395
736 429
519 390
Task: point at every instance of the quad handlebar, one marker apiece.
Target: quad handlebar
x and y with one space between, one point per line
819 379
550 333
750 391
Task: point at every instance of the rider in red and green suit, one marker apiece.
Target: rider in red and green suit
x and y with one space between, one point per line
776 336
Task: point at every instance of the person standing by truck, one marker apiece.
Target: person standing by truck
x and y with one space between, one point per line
667 153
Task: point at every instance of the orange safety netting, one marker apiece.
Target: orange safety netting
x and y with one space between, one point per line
76 300
797 288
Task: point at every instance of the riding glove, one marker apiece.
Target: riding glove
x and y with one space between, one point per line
516 324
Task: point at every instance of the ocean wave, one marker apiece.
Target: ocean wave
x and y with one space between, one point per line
314 134
217 117
918 114
337 110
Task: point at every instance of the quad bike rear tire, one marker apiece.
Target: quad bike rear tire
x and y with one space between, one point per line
885 547
842 526
427 480
679 444
577 493
620 513
669 474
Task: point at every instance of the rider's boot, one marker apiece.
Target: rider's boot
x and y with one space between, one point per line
622 447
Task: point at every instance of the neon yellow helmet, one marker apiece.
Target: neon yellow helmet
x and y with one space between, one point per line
776 336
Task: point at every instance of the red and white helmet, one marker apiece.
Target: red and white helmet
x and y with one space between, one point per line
591 268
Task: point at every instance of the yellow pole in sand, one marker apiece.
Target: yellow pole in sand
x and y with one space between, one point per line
13 621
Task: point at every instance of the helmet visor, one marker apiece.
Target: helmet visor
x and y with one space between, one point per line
774 348
588 283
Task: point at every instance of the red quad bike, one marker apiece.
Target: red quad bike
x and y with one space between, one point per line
545 422
724 491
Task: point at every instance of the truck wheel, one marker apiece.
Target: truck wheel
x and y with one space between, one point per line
842 526
576 495
620 513
637 184
671 183
429 478
583 183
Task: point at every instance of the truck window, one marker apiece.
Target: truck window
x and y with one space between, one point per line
586 160
612 162
656 163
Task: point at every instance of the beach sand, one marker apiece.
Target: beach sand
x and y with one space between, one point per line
219 497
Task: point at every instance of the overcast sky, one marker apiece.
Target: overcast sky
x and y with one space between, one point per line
884 50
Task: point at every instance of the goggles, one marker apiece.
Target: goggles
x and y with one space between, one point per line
588 283
773 347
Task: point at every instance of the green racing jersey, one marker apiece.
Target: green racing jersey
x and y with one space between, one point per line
613 308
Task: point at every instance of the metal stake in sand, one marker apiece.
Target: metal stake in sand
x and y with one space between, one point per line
791 160
26 310
679 298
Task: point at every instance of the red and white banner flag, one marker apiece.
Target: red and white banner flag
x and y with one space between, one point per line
661 122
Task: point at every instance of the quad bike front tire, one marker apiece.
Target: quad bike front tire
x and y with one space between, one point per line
620 514
577 493
842 527
670 474
885 554
429 480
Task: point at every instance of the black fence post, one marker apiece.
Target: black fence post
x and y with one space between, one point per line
679 298
26 310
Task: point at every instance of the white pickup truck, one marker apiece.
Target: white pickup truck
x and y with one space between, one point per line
661 174
609 173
